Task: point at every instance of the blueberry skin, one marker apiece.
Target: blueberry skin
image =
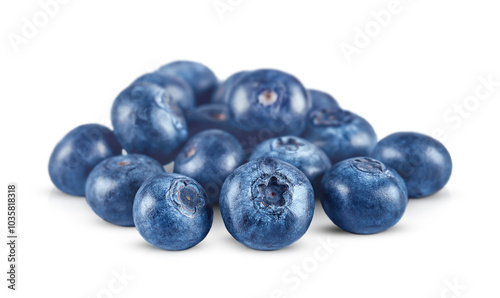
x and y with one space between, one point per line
298 152
363 196
201 79
267 204
177 89
113 183
172 212
78 153
322 100
269 103
148 122
423 162
209 157
340 134
220 94
210 116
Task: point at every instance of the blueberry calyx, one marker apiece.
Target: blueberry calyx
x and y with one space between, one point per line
331 117
187 198
369 165
191 152
267 97
290 144
271 194
218 116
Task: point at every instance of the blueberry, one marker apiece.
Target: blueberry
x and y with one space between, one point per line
201 79
298 152
363 196
423 162
177 89
269 103
267 204
322 100
148 122
113 183
220 94
172 212
340 133
208 116
78 153
209 157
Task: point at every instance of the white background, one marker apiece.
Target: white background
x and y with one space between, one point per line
426 61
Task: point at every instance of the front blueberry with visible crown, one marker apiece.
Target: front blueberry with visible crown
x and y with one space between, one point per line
363 196
149 122
78 153
340 134
269 103
267 204
113 183
423 162
201 78
298 152
177 89
172 212
209 157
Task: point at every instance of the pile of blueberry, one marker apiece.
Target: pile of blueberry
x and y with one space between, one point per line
259 144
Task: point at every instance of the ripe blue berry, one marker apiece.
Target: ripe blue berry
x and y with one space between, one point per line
209 157
423 162
201 79
78 153
267 204
113 183
340 134
269 103
363 196
149 122
172 212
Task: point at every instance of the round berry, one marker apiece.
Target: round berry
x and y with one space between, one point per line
209 157
363 196
78 153
172 212
340 134
423 162
113 183
269 103
267 204
147 121
199 77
